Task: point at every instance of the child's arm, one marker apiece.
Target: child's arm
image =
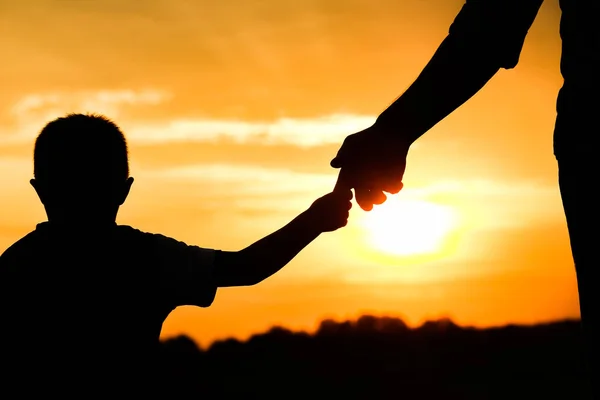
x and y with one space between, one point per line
262 259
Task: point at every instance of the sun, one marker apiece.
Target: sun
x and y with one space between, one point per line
408 227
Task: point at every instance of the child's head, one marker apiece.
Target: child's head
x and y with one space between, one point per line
81 168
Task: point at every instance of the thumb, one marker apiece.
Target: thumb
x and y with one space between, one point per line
340 158
336 162
343 182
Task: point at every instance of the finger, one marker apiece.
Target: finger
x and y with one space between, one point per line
363 198
369 198
343 183
341 156
349 195
377 197
349 151
336 162
390 179
344 213
349 206
393 187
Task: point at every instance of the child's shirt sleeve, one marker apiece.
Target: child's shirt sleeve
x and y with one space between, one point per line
185 272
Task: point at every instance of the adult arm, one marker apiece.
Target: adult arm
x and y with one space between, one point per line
486 35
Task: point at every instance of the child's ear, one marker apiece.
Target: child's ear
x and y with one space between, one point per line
126 189
37 187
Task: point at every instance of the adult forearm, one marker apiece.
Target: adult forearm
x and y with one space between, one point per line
453 75
267 256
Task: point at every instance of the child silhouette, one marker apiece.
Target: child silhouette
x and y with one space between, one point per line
83 299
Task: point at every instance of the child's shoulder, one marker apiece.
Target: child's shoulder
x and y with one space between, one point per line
157 240
22 245
129 233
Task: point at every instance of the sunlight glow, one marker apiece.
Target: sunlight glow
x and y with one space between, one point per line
409 227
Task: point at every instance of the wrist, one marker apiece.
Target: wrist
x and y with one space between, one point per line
397 125
309 223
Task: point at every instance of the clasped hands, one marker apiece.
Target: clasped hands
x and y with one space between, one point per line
372 162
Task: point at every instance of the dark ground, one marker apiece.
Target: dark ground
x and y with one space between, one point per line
381 358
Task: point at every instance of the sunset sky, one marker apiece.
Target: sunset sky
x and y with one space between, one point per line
233 110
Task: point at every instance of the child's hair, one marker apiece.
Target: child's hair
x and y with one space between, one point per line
78 146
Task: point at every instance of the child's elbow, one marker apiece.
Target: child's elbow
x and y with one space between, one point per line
252 280
237 281
233 270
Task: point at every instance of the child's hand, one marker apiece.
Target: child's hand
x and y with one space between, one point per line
331 211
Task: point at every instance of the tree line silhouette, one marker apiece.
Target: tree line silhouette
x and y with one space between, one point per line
383 358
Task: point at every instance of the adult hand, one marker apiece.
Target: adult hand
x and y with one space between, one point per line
373 162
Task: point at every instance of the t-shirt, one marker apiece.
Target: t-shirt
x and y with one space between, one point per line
495 31
84 307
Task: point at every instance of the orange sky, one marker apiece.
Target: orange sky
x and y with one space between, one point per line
233 110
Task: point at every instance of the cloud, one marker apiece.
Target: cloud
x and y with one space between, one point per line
32 111
261 57
103 101
230 173
246 186
304 132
